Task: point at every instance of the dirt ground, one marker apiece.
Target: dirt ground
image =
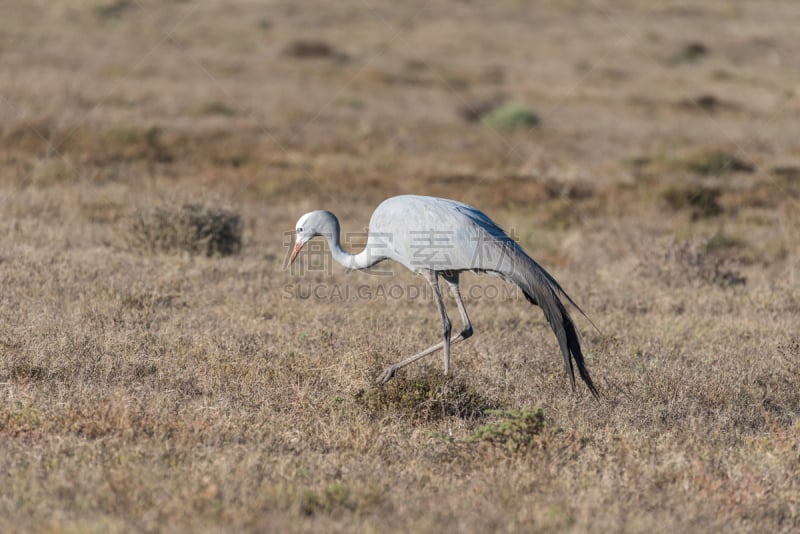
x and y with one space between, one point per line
160 369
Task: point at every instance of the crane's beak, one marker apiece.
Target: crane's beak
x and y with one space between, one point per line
296 250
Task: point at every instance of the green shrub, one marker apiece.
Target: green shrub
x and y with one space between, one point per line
215 107
511 117
516 430
112 10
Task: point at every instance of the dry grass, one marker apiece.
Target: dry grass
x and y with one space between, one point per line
188 392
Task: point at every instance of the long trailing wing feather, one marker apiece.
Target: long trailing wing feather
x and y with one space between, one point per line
541 289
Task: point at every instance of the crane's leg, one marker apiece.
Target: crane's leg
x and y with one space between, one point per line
446 325
452 280
388 374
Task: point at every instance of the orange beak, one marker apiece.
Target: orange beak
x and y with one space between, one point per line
295 251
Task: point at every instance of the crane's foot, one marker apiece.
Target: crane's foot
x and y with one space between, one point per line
387 375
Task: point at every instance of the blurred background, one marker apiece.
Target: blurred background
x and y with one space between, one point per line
509 103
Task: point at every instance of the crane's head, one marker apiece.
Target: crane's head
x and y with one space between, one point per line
312 224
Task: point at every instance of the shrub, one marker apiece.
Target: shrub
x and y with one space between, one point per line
511 117
699 199
690 52
516 430
113 10
694 263
215 107
194 228
334 497
716 162
312 49
431 395
475 110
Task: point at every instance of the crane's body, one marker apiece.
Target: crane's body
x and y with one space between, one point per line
436 234
439 237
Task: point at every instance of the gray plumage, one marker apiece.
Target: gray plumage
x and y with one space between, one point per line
438 237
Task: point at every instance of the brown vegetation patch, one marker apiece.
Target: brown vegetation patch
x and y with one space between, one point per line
112 10
707 102
312 49
700 200
475 110
691 52
195 228
696 262
716 162
787 172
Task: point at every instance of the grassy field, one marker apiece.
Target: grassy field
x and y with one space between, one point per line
160 370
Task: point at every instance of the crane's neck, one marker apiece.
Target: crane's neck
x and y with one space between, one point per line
362 260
